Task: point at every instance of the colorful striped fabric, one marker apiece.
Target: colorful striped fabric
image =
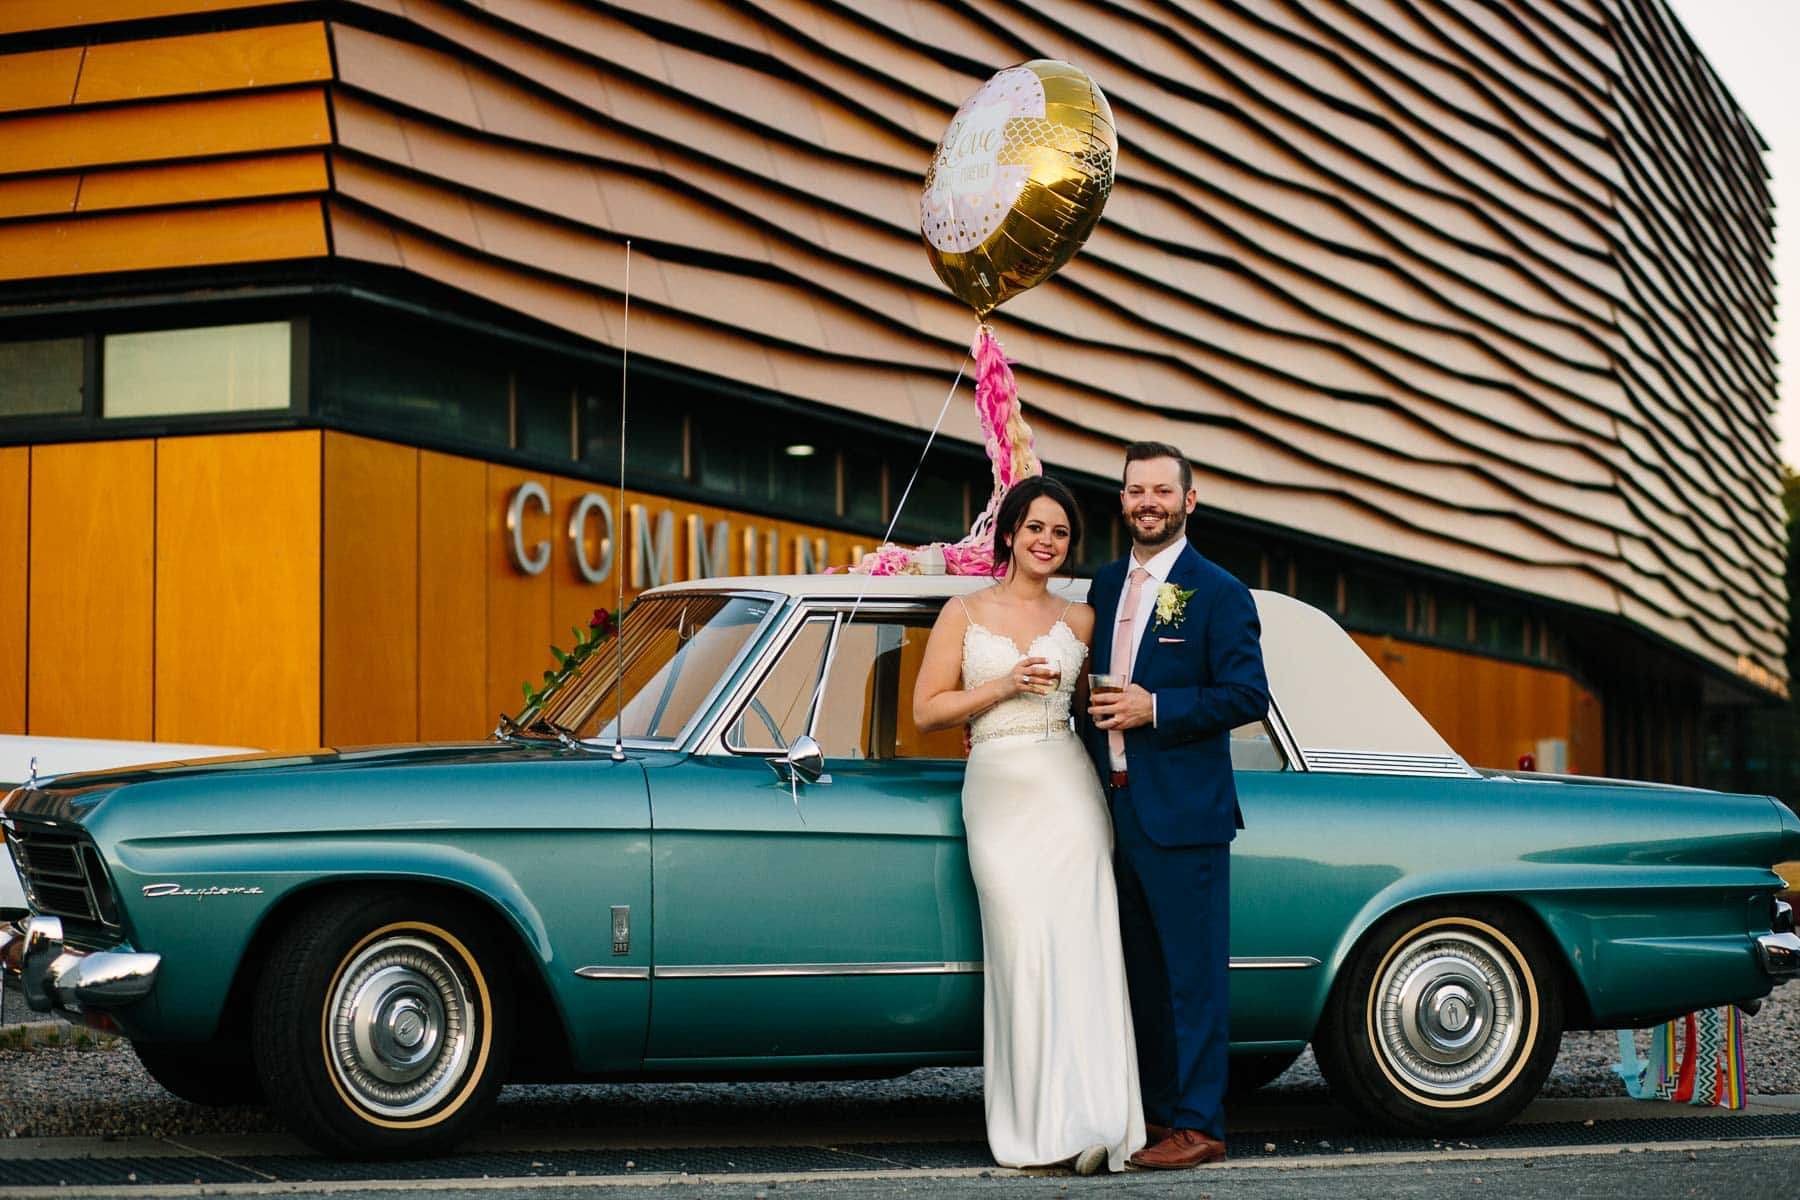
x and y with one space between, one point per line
1705 1066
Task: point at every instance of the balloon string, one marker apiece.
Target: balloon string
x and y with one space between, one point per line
863 591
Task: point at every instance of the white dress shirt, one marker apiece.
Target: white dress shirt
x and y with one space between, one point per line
1158 568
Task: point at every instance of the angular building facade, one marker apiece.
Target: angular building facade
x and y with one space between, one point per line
1463 311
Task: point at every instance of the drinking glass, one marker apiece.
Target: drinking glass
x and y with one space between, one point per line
1101 683
1051 674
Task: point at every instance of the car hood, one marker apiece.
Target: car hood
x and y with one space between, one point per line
72 797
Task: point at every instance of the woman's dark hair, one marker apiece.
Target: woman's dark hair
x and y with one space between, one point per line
1017 502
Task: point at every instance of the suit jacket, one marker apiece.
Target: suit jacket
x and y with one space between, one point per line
1206 671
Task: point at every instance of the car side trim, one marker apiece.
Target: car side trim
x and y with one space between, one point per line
1299 962
791 970
613 972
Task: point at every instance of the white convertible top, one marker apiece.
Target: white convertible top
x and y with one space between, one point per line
1342 713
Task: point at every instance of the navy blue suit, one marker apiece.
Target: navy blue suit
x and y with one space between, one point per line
1174 821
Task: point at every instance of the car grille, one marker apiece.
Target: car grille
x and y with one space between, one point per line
62 874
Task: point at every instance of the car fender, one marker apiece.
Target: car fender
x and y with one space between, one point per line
1695 952
204 929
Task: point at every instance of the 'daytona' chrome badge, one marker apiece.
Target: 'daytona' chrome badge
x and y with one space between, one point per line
156 891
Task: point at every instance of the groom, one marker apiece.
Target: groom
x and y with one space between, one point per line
1184 633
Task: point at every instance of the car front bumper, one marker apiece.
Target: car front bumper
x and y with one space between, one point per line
78 984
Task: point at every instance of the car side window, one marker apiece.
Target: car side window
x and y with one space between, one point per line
867 707
778 710
1253 748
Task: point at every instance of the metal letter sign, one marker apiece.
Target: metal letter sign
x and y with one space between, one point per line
592 502
539 558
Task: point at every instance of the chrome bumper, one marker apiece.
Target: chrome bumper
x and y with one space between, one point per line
1779 954
54 978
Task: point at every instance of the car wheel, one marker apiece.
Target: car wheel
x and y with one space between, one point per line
1252 1072
383 1024
216 1074
1446 1019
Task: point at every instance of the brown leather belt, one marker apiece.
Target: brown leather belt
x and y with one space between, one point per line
1118 780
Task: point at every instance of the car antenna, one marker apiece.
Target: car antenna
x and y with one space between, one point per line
618 750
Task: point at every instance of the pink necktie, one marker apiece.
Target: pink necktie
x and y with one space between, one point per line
1121 651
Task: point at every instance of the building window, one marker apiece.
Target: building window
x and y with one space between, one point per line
221 368
657 433
864 501
1242 559
1454 621
543 418
41 378
1375 603
1316 583
414 385
937 509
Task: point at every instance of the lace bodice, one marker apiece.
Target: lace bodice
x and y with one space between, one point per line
988 655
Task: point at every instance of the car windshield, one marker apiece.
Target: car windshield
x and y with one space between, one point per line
675 649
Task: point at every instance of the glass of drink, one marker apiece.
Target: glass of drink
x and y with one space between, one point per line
1105 683
1101 684
1050 675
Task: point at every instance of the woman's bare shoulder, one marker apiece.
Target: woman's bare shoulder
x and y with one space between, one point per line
1080 618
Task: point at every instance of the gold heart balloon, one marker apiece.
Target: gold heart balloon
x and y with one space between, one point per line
1018 182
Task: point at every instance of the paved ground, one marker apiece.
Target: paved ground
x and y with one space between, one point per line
860 1153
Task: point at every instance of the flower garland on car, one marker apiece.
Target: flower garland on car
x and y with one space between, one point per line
600 629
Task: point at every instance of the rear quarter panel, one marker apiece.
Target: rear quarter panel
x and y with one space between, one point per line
1649 894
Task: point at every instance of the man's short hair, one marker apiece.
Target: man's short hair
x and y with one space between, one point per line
1139 451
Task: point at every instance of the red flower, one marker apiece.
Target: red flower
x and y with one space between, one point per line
601 623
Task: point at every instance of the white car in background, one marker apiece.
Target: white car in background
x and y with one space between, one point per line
63 756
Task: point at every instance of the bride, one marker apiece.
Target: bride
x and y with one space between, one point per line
1061 1080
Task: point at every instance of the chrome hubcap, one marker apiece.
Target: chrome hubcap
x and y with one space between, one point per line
400 1026
1448 1011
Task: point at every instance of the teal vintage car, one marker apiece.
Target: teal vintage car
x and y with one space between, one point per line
720 848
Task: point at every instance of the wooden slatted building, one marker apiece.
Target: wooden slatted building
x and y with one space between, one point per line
1463 309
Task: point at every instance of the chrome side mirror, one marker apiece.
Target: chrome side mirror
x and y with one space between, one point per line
804 761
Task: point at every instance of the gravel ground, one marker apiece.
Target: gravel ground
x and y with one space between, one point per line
47 1091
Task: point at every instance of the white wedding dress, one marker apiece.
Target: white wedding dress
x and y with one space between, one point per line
1057 1041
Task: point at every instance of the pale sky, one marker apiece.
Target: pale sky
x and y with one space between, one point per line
1754 46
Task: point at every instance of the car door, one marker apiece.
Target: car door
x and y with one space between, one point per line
812 920
1304 865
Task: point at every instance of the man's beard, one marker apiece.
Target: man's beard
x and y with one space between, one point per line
1174 523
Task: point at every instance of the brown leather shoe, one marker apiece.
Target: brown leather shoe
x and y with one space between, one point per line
1183 1148
1155 1133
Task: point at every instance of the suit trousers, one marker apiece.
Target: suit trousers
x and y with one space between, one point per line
1175 924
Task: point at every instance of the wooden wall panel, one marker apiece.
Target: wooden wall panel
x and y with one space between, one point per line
38 78
21 16
92 633
179 183
519 629
269 231
175 129
573 598
371 592
237 590
15 548
267 56
192 183
453 598
1489 710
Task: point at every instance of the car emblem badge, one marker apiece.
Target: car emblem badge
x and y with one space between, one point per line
31 773
621 928
156 891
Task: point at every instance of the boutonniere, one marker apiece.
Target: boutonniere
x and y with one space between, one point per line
1171 604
